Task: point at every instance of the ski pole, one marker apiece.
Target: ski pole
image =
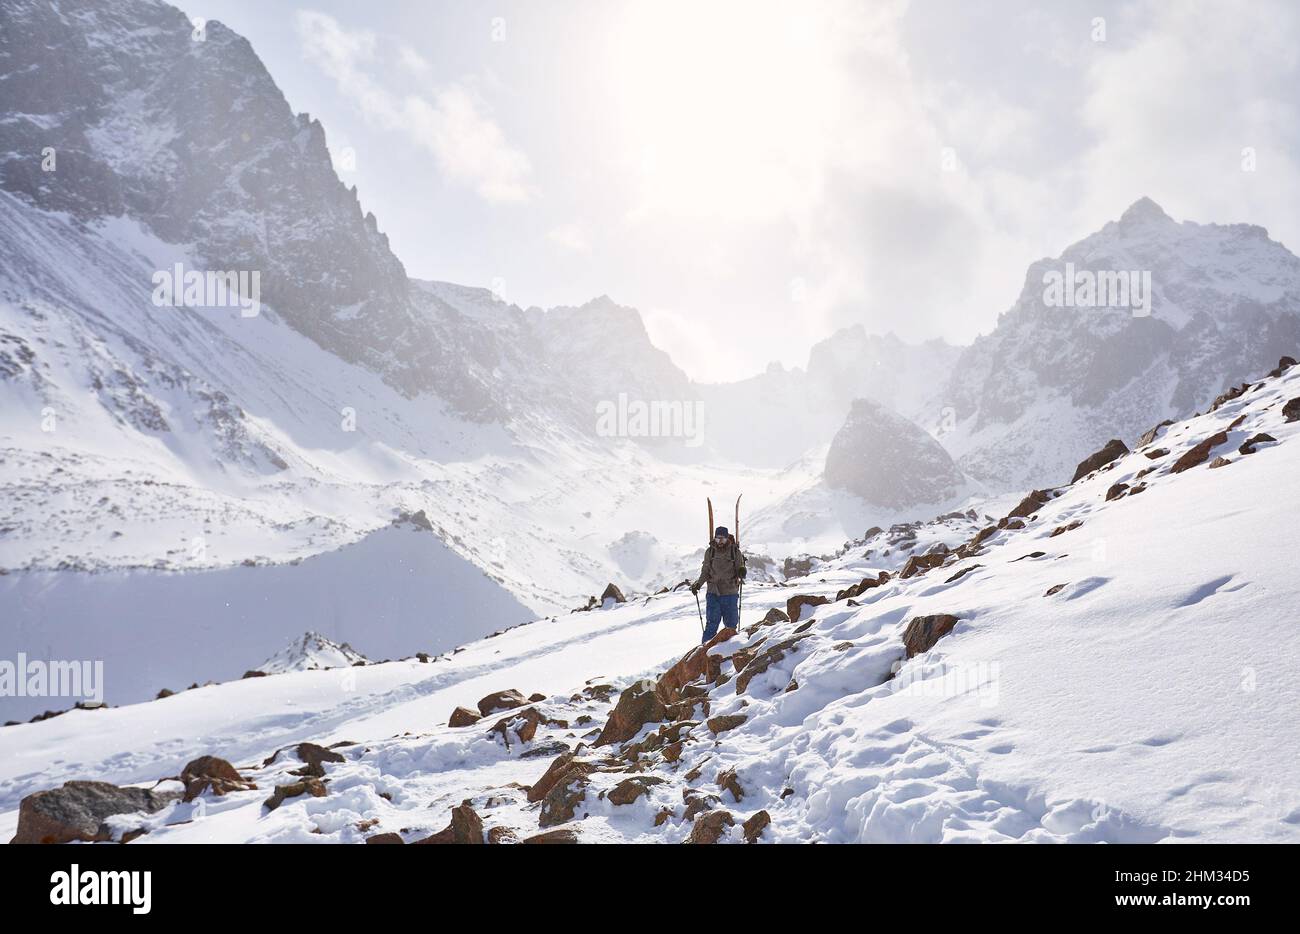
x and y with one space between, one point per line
698 610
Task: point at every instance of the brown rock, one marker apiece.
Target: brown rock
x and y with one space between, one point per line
79 811
1029 505
523 722
463 716
695 664
637 706
795 605
1116 491
774 615
1219 462
629 789
765 660
561 802
1248 446
501 835
722 724
924 631
1114 450
1153 433
710 826
536 698
210 772
315 757
672 752
730 782
563 835
308 786
755 826
382 838
919 564
1054 589
1155 454
466 827
1199 454
1291 411
501 700
612 593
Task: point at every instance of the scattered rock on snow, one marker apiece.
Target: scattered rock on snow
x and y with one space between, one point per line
462 716
78 811
1248 446
755 826
718 725
308 786
466 827
501 700
924 631
212 773
562 835
1200 453
1114 449
795 605
710 826
637 706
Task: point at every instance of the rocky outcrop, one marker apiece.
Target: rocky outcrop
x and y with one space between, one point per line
466 827
462 716
765 660
1030 504
923 632
888 461
501 700
629 789
794 607
637 706
78 811
612 593
1200 453
755 826
1114 450
1250 444
710 826
308 786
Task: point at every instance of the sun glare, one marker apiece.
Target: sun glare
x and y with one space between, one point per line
722 106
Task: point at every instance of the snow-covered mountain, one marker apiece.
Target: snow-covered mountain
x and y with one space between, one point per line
249 476
998 691
1053 382
311 652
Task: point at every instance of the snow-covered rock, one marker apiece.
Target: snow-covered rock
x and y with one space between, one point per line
311 652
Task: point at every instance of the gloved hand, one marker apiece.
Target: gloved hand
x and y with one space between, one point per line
742 573
695 589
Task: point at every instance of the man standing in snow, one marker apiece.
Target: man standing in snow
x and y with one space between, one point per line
723 569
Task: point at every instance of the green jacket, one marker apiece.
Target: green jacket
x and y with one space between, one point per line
722 567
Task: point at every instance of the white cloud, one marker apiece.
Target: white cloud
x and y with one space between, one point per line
468 146
571 237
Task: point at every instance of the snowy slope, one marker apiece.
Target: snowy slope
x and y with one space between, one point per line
1123 680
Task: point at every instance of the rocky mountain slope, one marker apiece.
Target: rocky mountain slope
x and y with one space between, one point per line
1051 383
1101 665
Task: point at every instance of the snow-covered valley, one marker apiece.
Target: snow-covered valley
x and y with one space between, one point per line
1108 672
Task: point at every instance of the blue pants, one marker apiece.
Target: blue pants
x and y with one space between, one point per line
720 607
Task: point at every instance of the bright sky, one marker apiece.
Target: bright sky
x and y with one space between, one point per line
754 175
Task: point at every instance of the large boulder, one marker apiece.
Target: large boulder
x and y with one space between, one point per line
462 716
924 631
1200 453
795 605
710 826
694 665
78 811
501 700
466 827
612 595
636 707
1114 450
765 660
889 461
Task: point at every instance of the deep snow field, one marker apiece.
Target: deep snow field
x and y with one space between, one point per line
1149 697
